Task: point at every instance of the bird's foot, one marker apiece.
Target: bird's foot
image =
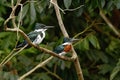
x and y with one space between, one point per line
74 57
37 45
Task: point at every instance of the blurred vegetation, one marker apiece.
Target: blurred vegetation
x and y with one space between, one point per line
98 48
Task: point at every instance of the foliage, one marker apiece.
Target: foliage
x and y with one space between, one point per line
98 48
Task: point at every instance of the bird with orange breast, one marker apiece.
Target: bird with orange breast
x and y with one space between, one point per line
65 47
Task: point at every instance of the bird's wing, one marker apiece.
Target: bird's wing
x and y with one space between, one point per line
32 35
59 49
22 44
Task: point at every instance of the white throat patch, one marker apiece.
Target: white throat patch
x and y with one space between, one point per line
67 43
38 30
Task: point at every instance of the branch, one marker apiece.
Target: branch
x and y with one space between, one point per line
38 66
37 47
12 13
109 23
11 56
62 27
1 64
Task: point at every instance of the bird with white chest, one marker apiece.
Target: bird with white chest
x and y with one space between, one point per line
37 35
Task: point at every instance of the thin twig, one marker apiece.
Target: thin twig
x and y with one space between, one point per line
62 27
13 55
54 74
109 23
85 29
37 47
20 19
12 13
51 1
74 56
6 57
79 72
36 67
74 8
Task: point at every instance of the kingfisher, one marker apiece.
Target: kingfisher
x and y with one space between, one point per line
65 46
37 35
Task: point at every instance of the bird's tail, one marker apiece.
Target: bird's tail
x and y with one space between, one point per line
22 44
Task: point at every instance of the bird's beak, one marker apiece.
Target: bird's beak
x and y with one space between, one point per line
46 27
74 40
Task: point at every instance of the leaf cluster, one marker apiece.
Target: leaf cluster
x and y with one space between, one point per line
98 48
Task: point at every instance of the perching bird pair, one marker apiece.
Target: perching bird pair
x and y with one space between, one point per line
38 35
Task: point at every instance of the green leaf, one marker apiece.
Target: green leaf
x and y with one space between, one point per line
80 11
102 3
41 76
94 3
92 55
104 68
32 13
93 40
113 44
67 3
84 44
7 76
25 60
109 5
4 34
67 64
7 40
24 11
64 64
1 19
24 14
102 56
85 72
115 71
117 3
